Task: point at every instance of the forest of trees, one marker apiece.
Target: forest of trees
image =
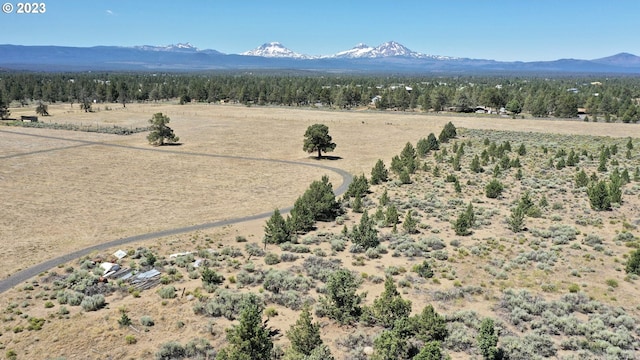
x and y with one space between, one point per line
604 99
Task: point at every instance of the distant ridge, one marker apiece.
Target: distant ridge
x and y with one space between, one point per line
620 59
388 57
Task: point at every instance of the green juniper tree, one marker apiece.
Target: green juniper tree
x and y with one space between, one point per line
410 225
464 222
359 187
422 147
4 108
516 219
391 216
475 165
356 205
423 269
405 177
433 142
493 189
518 174
317 138
599 196
276 230
389 306
249 339
160 132
582 179
365 234
615 187
448 132
340 301
409 158
431 350
522 150
211 277
602 165
633 263
488 340
429 325
390 345
321 200
301 219
456 186
379 173
42 109
304 334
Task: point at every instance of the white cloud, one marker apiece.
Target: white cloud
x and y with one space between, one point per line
109 12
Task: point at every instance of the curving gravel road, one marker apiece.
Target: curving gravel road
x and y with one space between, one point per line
26 274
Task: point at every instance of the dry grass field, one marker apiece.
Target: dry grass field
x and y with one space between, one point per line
65 190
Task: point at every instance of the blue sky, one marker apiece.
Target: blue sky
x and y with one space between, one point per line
504 30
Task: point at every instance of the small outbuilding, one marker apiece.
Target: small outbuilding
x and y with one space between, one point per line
24 118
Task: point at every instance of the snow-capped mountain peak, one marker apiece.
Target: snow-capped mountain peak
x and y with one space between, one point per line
392 48
274 50
186 47
358 51
387 49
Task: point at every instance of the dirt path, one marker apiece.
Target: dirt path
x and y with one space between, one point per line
28 273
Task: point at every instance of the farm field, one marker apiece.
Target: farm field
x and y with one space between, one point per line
68 190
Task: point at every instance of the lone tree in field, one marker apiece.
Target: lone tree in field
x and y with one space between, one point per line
160 132
4 109
317 138
42 109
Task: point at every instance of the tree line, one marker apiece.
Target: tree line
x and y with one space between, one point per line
604 99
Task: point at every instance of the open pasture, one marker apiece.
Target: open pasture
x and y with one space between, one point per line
68 190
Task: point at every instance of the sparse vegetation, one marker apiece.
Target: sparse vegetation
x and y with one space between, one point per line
578 266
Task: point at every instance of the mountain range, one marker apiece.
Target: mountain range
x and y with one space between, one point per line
389 57
360 51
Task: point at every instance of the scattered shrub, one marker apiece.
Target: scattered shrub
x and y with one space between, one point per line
288 257
254 249
35 324
277 281
319 268
224 302
211 277
271 259
93 303
147 321
170 351
423 269
167 292
130 339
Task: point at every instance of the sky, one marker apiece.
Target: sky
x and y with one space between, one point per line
505 30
